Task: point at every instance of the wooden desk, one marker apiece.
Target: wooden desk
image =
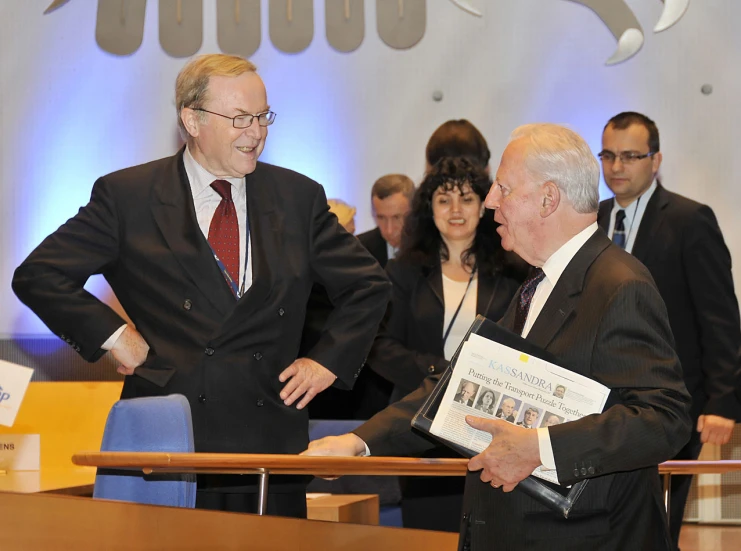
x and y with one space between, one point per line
68 416
65 523
76 481
353 508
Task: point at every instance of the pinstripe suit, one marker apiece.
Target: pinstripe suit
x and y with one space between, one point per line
605 320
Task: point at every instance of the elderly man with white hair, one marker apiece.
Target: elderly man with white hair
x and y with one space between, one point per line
596 309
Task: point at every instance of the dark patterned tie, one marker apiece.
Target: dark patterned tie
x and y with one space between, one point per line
618 234
223 233
527 291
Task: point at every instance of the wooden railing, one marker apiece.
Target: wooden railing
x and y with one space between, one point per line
327 466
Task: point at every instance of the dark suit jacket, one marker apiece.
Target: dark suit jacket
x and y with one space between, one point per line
140 231
376 245
371 392
681 244
605 320
409 345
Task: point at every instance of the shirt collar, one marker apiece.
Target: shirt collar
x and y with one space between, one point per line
631 209
201 179
558 261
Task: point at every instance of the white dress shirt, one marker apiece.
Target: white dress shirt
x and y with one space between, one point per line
553 268
633 216
455 293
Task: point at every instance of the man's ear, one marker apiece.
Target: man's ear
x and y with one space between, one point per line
656 162
550 197
191 121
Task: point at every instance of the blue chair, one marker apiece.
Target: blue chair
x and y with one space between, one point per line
156 424
387 487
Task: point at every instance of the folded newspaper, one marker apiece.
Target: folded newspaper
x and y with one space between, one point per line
498 375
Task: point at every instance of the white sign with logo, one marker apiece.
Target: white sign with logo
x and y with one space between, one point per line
14 381
20 452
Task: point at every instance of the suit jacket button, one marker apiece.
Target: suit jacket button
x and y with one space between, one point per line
590 470
260 403
576 473
257 356
187 305
281 311
201 398
210 351
583 471
431 369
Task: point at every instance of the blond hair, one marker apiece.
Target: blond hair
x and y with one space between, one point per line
341 210
191 86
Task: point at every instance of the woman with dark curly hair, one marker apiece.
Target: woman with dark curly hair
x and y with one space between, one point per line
450 268
486 401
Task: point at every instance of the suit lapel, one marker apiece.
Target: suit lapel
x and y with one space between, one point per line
435 282
174 214
565 295
603 216
487 288
266 234
651 223
382 251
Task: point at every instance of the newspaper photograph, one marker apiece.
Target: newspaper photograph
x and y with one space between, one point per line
495 381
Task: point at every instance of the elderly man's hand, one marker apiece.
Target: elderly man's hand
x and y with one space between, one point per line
715 429
513 454
305 378
346 445
130 350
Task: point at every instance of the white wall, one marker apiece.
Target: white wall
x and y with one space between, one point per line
70 112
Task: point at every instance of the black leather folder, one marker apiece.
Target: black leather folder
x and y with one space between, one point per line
558 498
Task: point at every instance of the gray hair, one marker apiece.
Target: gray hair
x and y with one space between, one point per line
559 155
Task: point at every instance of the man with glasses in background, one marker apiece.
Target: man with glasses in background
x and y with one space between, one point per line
681 244
212 255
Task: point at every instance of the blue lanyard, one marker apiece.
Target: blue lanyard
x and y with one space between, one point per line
236 291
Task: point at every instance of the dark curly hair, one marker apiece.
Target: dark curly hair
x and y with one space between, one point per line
421 242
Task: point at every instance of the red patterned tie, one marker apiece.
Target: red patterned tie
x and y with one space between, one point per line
223 233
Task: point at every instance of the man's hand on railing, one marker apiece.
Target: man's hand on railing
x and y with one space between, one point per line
715 429
348 444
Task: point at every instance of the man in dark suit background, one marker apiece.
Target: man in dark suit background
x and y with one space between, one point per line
681 244
224 329
391 197
589 303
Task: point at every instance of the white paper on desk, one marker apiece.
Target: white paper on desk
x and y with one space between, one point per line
14 381
20 452
508 374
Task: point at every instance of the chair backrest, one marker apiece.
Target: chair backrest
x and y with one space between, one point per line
319 428
153 424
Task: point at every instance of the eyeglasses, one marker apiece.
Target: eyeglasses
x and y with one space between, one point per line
245 121
626 157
